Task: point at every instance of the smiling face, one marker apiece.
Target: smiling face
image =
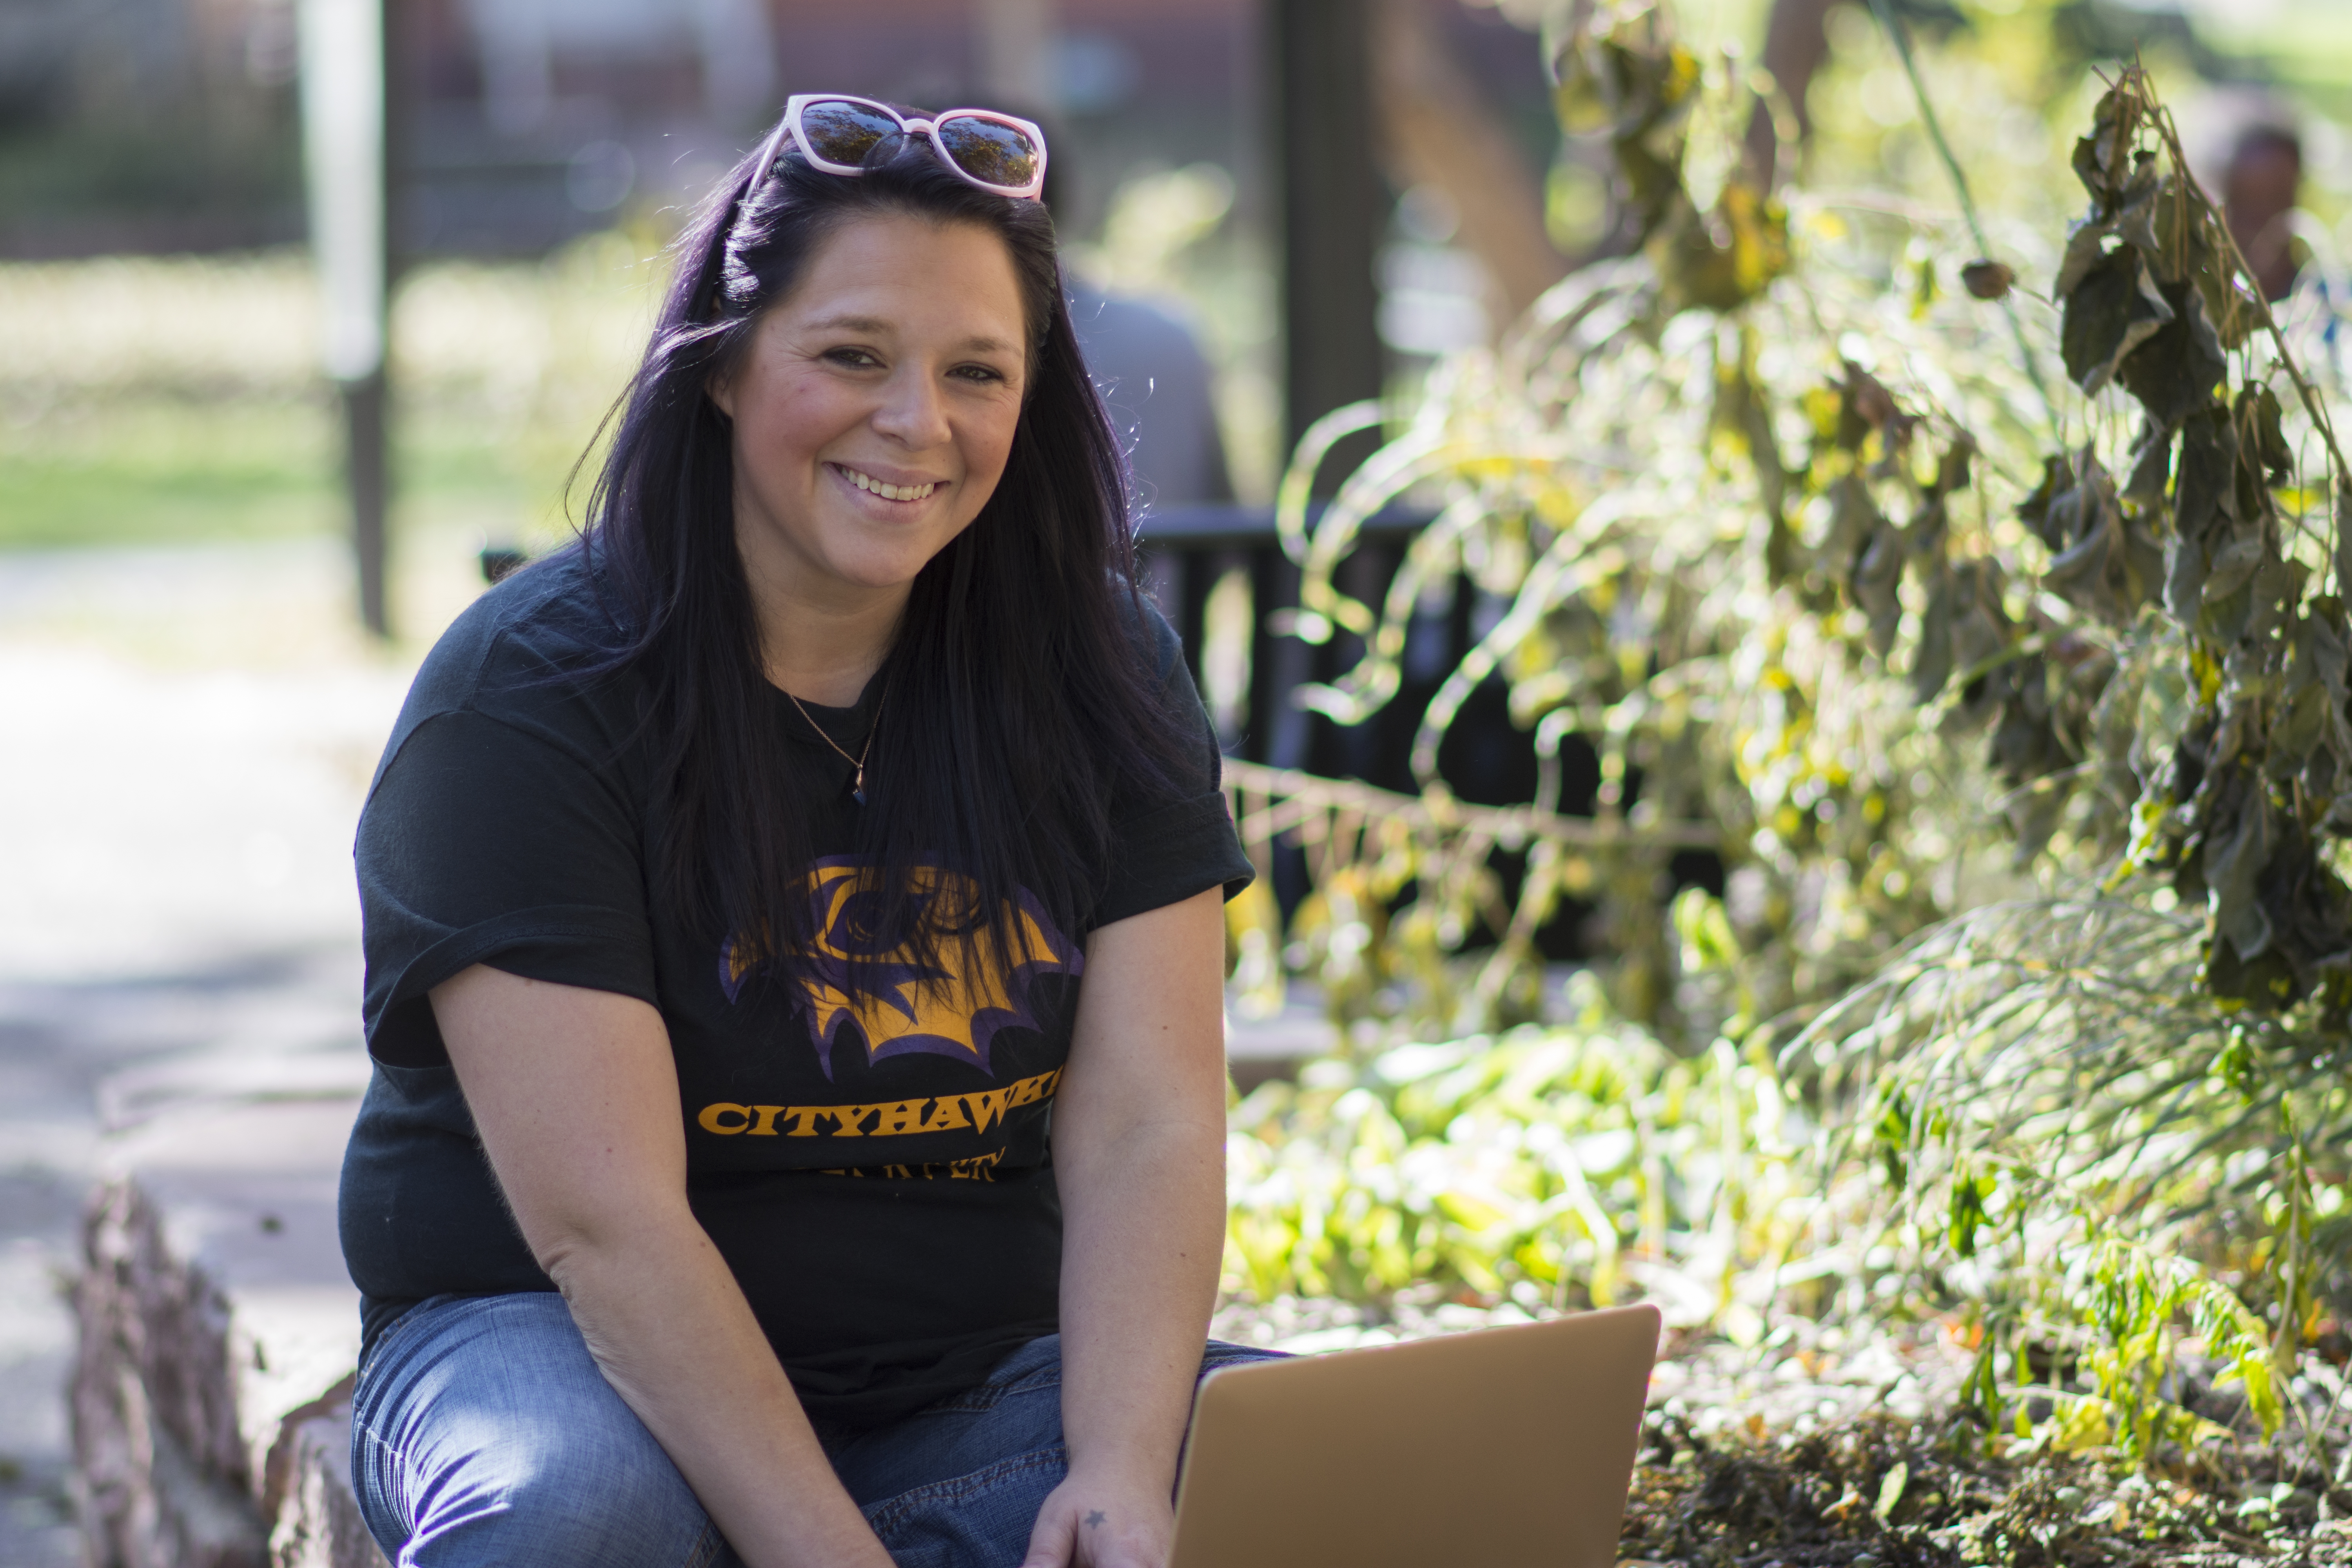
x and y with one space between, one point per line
873 411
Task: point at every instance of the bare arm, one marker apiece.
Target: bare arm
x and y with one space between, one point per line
575 1096
1138 1156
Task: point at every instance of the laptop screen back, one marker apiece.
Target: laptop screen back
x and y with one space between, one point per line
1507 1448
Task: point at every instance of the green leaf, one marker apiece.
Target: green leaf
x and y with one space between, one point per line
1890 1491
1967 1213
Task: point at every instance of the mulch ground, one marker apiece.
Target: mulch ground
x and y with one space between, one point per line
1884 1491
1820 1448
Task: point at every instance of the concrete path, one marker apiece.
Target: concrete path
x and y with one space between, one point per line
187 736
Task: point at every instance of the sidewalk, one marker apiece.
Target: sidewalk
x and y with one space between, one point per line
189 734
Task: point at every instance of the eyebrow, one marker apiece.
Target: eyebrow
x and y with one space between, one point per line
878 327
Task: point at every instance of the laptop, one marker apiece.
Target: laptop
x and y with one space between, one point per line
1507 1448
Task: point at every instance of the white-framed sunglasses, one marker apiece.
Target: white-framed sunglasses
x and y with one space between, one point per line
998 152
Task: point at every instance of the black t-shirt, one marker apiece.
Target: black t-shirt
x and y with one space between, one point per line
876 1175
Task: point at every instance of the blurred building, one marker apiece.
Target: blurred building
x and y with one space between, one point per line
159 125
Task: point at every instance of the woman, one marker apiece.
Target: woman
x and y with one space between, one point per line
729 878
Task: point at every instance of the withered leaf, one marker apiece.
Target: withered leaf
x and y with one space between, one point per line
1853 518
1931 661
2151 467
2343 496
2115 308
2158 222
2180 365
2277 588
2088 244
2101 159
2262 438
1952 468
2057 478
2305 910
1988 279
1867 406
2238 842
2113 564
1922 538
2204 499
2225 610
1875 583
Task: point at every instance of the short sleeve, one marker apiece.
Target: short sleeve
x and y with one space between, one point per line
483 842
1170 844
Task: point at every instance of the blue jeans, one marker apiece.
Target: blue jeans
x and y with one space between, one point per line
483 1433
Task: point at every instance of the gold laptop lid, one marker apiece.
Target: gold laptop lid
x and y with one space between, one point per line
1507 1448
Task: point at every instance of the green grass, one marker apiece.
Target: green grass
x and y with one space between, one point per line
147 470
174 400
134 470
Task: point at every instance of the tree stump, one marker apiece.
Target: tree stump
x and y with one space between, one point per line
212 1310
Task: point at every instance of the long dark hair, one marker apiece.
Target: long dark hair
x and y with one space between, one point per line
1019 693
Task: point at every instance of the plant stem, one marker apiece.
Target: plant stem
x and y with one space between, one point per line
1896 32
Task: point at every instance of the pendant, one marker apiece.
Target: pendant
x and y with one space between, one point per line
857 785
858 795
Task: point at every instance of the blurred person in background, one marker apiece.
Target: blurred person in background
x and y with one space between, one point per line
2261 186
748 1174
1157 384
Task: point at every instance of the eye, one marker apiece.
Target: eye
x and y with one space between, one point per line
978 373
854 358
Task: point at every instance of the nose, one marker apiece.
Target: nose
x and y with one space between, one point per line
912 412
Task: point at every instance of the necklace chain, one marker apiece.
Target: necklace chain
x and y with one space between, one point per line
857 787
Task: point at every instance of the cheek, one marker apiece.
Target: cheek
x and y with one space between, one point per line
797 416
992 446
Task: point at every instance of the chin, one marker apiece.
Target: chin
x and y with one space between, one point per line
890 569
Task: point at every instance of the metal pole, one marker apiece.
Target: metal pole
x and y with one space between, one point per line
1334 209
1334 214
345 148
367 470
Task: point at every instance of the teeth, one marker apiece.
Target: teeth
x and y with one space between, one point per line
889 492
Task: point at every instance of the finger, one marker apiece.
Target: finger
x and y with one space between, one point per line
1050 1542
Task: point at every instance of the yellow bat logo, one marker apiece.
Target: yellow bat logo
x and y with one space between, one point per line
906 1004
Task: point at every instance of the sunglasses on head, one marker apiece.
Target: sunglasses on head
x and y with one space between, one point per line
834 132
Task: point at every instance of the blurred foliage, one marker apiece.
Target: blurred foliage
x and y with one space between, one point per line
1576 1159
2021 728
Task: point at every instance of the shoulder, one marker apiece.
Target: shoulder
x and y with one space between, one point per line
545 619
526 654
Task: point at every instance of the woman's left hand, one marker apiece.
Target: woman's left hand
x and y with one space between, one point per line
1102 1522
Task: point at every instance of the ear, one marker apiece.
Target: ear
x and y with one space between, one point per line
720 390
